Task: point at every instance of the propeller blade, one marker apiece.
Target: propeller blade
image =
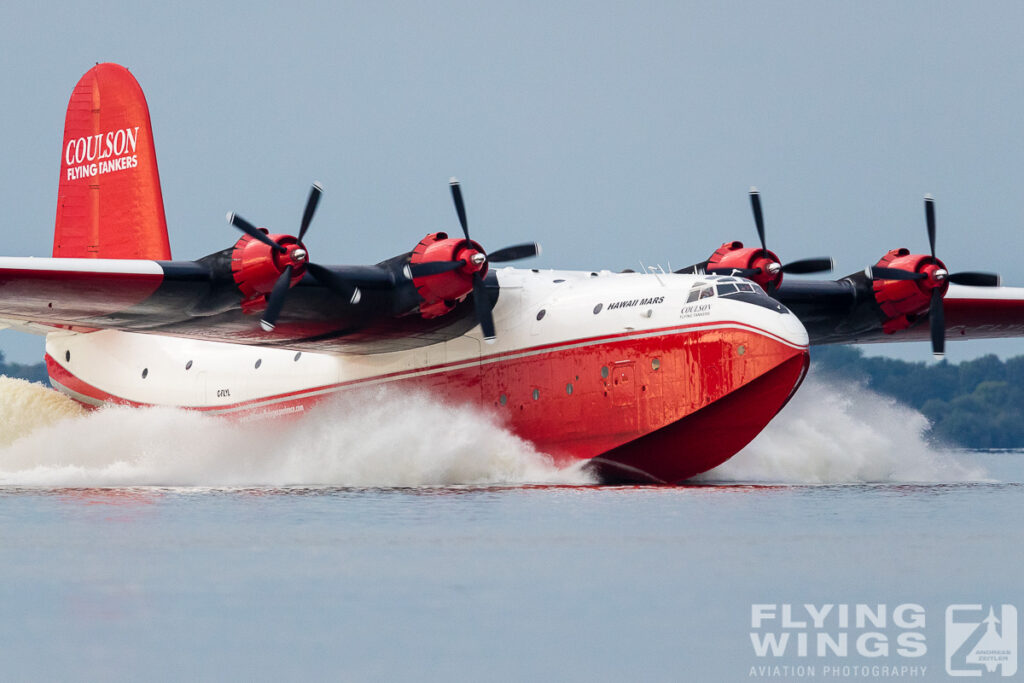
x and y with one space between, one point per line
276 301
460 207
483 308
755 204
434 267
821 264
738 272
929 217
307 215
879 273
975 279
254 232
514 253
937 318
336 284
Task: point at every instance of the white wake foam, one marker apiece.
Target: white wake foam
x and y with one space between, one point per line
380 438
25 407
837 431
831 432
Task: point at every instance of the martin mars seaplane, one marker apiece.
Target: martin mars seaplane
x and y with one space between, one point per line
651 377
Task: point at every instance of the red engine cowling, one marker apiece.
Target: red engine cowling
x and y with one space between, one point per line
902 301
442 291
733 255
255 267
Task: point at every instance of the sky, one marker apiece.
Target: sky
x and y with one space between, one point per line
610 132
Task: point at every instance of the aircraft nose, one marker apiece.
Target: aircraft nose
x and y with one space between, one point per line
788 327
778 321
768 315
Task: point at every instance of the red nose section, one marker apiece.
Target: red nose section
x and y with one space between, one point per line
705 439
109 203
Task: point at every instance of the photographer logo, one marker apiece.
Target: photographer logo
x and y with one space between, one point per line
981 640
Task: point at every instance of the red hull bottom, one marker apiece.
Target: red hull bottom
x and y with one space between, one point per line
707 438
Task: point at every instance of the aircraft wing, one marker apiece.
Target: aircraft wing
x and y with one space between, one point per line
848 311
201 300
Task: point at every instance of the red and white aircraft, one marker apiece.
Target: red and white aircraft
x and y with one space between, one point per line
651 377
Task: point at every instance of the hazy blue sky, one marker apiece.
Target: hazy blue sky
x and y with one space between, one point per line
609 132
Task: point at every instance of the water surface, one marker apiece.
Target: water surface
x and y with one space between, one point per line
107 572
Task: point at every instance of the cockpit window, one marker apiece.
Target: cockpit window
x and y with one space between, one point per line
731 286
734 288
700 290
723 286
727 289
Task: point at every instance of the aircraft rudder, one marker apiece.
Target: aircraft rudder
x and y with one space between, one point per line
109 202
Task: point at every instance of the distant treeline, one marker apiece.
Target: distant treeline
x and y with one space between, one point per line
33 373
975 404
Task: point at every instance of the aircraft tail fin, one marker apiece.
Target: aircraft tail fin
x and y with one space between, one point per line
109 203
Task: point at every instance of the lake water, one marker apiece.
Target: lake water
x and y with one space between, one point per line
394 539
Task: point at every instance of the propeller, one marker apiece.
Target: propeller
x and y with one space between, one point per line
483 310
434 267
971 278
299 260
937 320
480 300
936 311
254 232
935 279
822 264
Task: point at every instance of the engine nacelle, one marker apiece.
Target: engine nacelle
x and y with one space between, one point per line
255 267
733 255
903 301
442 291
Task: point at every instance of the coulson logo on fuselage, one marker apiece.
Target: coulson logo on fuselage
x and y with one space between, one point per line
636 302
87 157
696 310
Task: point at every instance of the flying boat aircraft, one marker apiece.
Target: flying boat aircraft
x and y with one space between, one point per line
649 377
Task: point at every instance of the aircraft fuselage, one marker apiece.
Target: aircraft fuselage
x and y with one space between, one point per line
649 377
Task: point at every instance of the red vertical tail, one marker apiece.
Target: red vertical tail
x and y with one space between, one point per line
109 203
